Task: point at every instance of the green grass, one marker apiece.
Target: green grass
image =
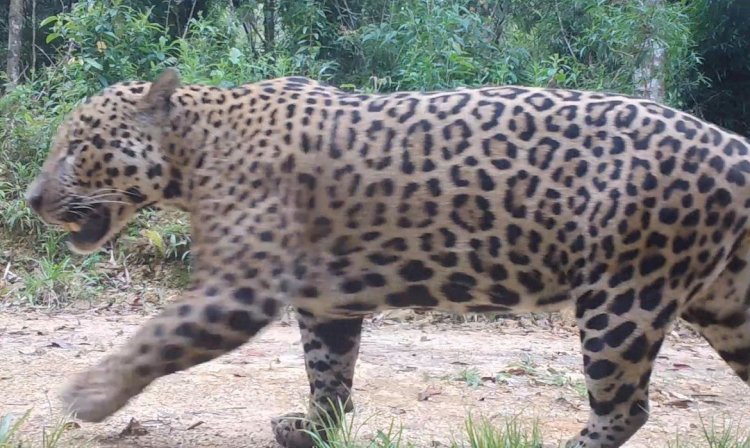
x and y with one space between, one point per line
725 434
153 253
470 376
527 367
546 376
13 433
476 434
510 432
50 283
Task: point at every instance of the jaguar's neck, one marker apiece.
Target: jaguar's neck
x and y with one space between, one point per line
200 122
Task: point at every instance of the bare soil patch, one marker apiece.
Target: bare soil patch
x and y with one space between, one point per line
425 376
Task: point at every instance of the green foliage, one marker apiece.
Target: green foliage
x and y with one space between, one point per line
345 431
470 376
425 45
586 44
341 430
725 434
168 235
722 33
24 138
106 42
513 434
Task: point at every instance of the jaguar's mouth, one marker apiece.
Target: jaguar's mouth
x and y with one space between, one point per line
90 231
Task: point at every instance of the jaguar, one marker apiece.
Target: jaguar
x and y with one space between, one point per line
495 199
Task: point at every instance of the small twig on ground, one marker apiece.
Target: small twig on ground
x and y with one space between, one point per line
195 425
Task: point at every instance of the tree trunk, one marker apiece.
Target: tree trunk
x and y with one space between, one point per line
33 36
649 77
246 16
269 25
15 28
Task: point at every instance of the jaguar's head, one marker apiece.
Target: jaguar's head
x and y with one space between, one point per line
106 162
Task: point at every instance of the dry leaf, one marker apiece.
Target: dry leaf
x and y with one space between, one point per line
60 344
429 392
71 425
682 404
397 411
134 428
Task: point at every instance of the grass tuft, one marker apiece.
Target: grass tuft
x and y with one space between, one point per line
13 434
512 434
724 434
342 430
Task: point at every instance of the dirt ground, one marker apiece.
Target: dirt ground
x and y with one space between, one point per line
413 373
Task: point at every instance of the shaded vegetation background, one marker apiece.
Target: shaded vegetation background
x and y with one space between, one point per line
71 49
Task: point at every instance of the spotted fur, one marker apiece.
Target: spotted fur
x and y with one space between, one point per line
495 199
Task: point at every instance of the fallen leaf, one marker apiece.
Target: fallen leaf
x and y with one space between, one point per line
565 401
60 344
682 404
134 428
71 425
429 392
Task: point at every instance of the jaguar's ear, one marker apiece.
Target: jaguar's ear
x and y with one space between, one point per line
154 106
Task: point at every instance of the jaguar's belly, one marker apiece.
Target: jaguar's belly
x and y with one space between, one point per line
472 282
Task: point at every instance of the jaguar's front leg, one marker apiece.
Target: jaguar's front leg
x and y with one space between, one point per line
196 329
331 349
237 292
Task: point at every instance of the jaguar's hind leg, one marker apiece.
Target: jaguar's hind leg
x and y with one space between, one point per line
723 316
331 350
621 333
